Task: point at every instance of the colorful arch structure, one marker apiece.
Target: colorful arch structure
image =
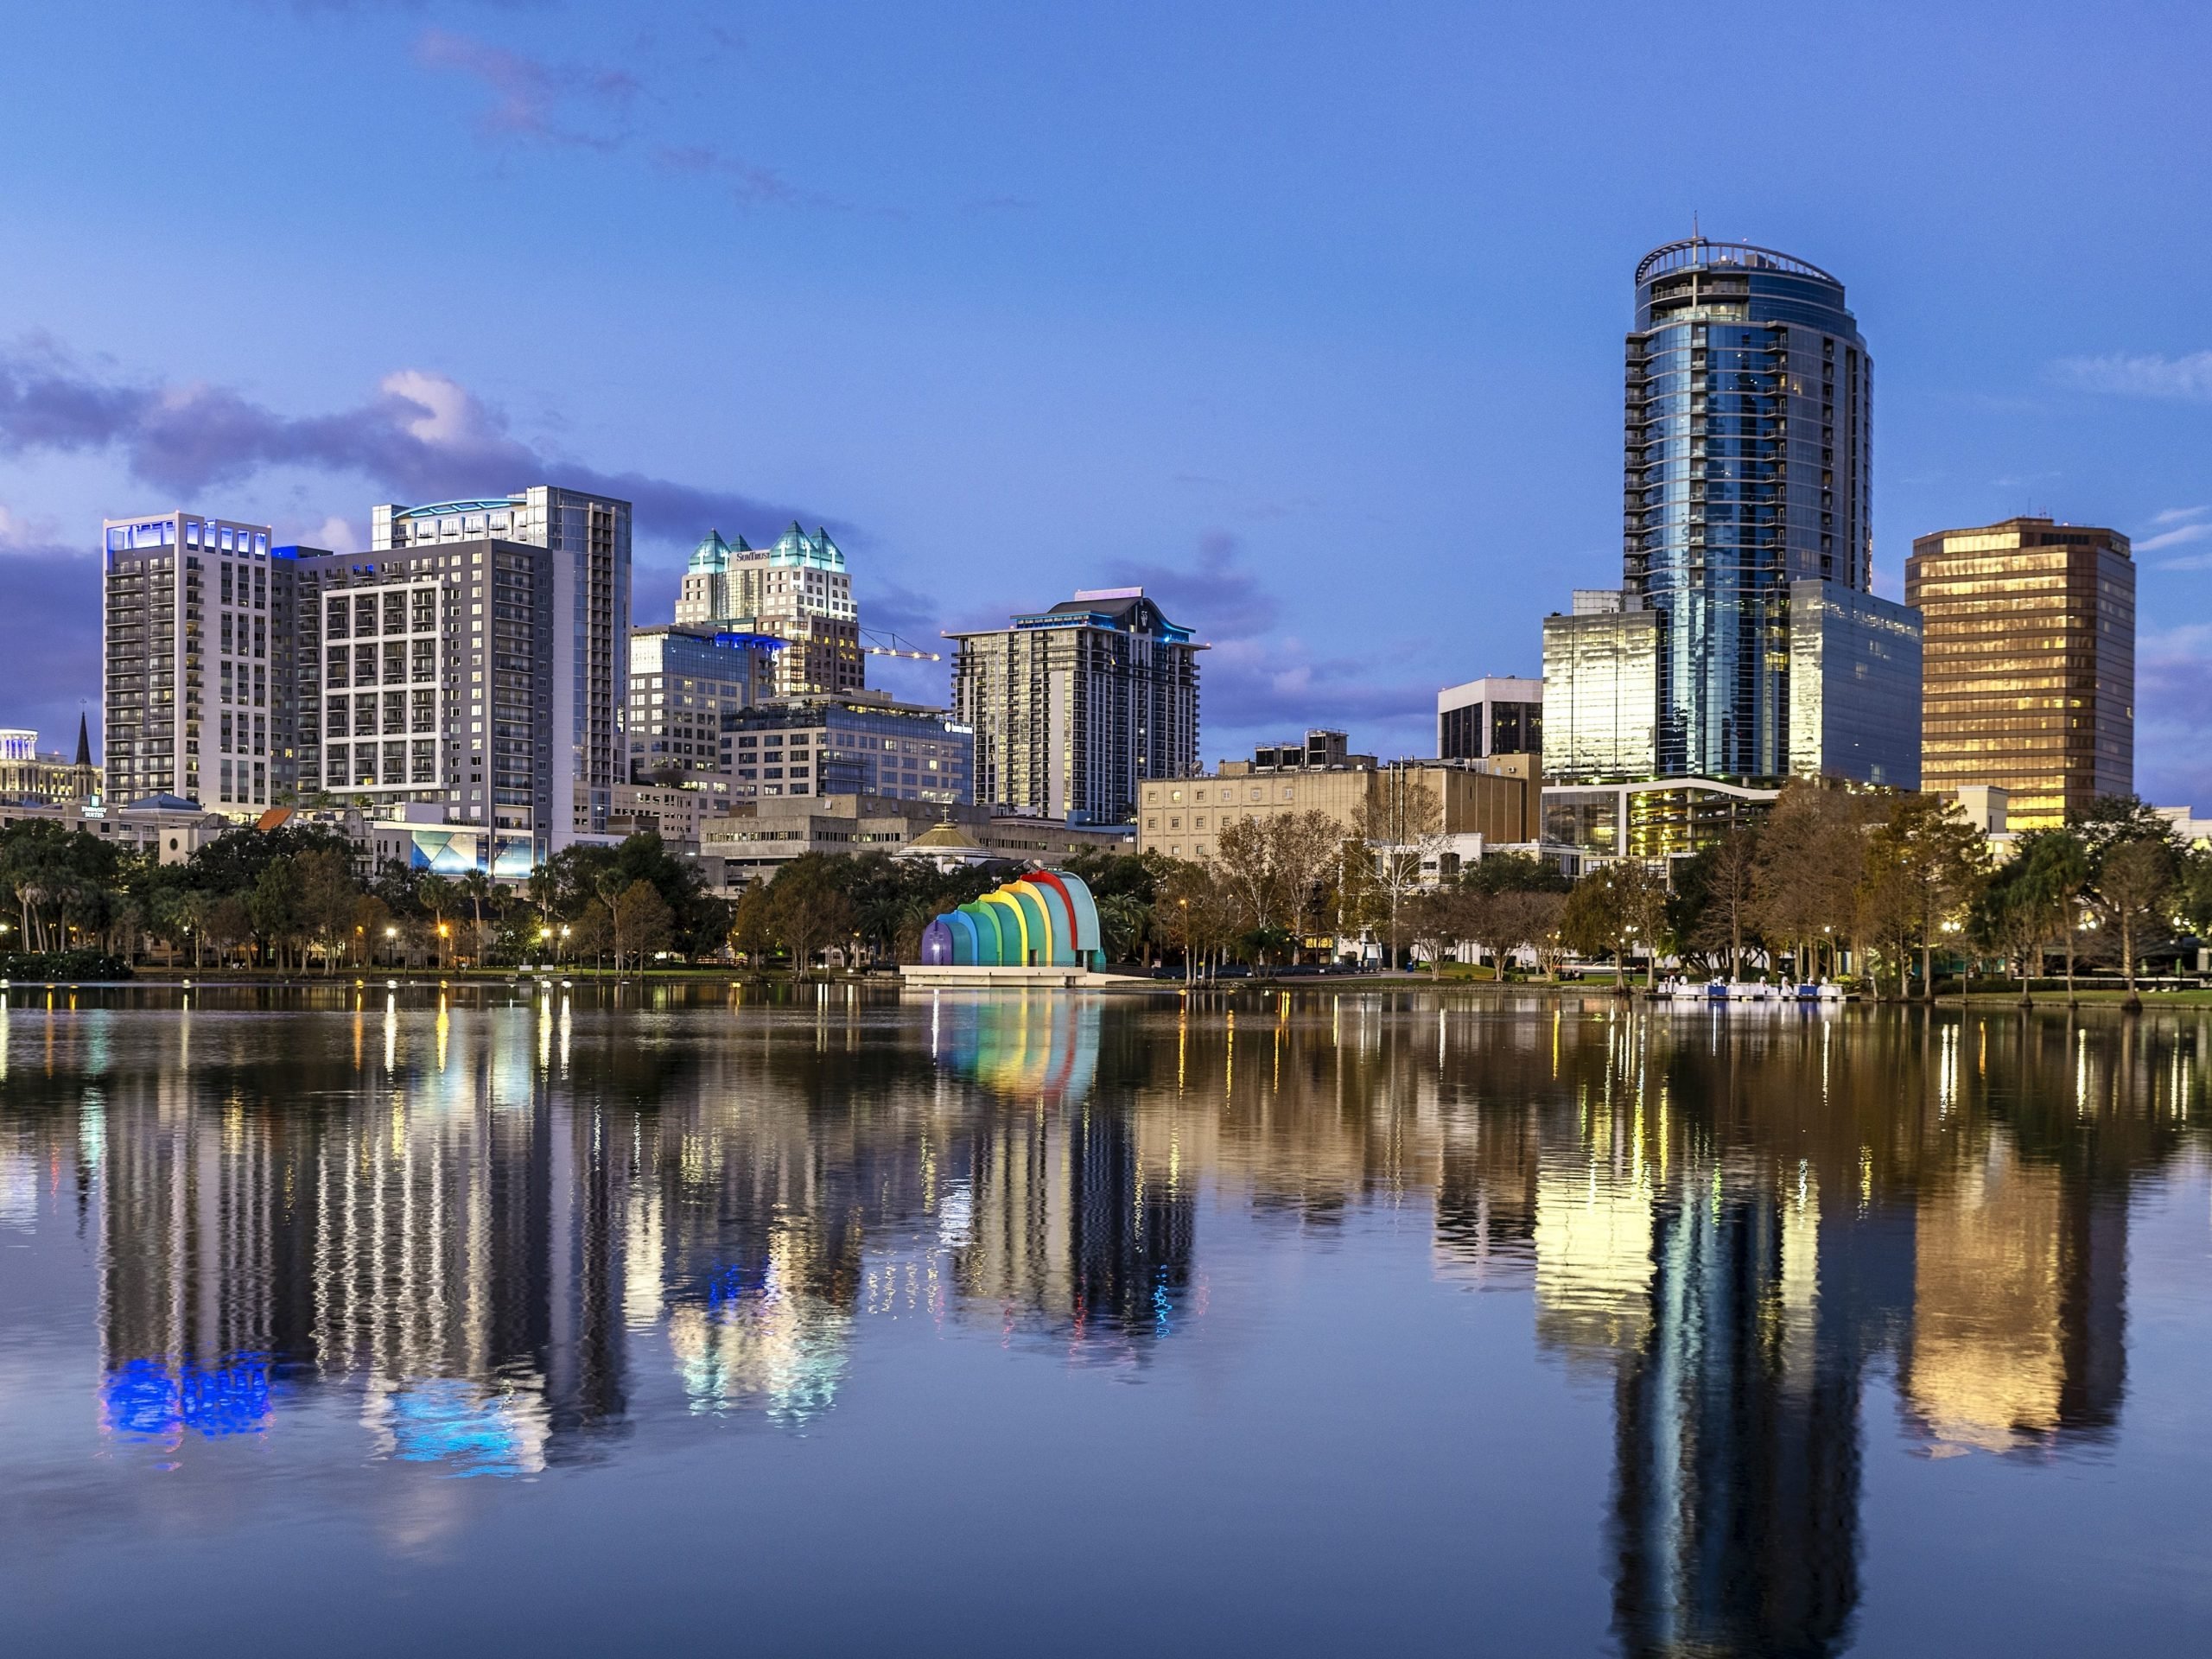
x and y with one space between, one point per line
1044 919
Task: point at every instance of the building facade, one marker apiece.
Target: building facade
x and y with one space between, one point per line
1073 707
430 676
1601 689
798 590
1855 686
28 774
2029 664
1655 818
1482 804
196 670
588 594
1497 716
757 838
859 744
1749 395
684 685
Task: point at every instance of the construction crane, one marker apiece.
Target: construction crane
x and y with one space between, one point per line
878 643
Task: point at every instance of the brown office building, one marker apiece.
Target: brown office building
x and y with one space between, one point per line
2028 664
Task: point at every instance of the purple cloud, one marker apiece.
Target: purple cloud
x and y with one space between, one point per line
531 98
421 436
50 639
1214 593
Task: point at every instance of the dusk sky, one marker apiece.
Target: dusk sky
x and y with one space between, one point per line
1308 318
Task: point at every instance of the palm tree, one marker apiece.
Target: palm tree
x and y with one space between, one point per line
1125 919
476 887
442 899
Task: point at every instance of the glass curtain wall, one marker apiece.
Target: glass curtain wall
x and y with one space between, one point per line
1748 390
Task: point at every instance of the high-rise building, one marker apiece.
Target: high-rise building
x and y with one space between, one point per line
1855 686
1072 706
587 609
1748 393
684 685
196 693
1601 689
2030 664
861 743
431 674
798 590
1497 716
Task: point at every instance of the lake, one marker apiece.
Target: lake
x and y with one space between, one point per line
351 1319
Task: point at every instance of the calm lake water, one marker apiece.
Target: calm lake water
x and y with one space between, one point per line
345 1321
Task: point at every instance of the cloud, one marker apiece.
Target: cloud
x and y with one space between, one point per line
2177 515
2173 727
423 436
534 100
49 635
1214 593
336 535
1257 683
2146 375
749 183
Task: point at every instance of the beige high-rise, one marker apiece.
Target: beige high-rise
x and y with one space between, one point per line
2028 659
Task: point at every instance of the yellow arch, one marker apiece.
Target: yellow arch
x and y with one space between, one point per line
1021 920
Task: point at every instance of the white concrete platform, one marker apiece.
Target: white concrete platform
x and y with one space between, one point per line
1068 979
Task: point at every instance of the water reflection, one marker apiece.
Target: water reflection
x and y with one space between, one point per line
493 1223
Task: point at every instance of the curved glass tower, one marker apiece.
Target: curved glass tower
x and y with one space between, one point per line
1747 439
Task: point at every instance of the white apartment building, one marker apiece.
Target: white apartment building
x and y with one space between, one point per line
580 610
196 670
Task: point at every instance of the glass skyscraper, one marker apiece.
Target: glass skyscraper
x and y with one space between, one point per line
1747 442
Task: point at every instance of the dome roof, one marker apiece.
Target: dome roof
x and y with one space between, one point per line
948 835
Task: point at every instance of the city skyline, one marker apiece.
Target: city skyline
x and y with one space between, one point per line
937 347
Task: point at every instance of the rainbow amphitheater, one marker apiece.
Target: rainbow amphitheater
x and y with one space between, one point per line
1040 929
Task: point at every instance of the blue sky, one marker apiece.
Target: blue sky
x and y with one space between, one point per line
1308 317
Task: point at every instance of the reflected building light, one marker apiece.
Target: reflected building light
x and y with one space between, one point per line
2018 1305
469 1428
1593 1238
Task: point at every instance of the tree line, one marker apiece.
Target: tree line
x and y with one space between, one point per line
1888 887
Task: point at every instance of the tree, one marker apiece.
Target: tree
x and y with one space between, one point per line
439 896
1125 920
2056 863
1401 822
1533 919
1308 851
1612 907
752 929
1439 918
327 901
641 921
1244 865
476 887
1887 920
1936 859
1496 872
808 909
1721 886
2128 888
274 908
1199 913
2013 914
